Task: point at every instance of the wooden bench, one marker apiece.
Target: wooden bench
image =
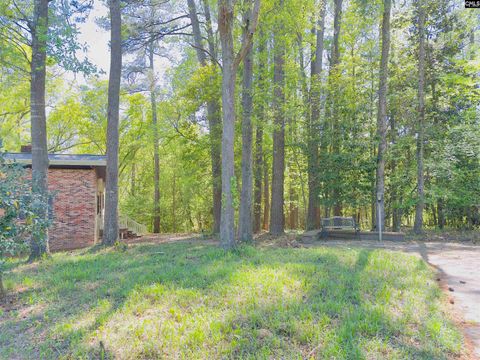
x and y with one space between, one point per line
338 223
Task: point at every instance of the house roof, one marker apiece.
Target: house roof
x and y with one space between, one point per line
59 160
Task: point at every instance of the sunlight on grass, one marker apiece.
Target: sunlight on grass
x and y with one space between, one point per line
193 301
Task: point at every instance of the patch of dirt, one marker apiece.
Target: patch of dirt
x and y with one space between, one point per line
287 240
162 238
449 236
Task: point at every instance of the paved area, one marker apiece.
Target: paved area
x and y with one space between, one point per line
459 267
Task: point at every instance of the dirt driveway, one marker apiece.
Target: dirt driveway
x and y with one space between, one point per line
459 269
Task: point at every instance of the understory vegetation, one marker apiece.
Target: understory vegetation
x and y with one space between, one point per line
193 300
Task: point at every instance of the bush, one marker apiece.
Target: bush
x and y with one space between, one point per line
17 216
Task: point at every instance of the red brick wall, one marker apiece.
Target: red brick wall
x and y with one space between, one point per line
74 192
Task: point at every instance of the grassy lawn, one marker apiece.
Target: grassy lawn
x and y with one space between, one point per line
191 300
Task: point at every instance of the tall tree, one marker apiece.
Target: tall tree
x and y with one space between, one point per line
156 156
213 109
418 224
277 219
45 28
335 136
314 120
39 31
226 11
266 194
258 166
110 234
245 222
225 26
382 114
147 25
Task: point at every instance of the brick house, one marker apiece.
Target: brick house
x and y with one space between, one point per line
76 183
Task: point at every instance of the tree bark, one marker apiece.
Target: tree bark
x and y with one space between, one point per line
418 224
213 111
210 36
132 181
174 203
382 115
293 208
396 211
277 221
336 140
245 223
215 125
39 30
110 234
225 25
266 195
314 128
257 196
156 156
440 214
3 293
230 64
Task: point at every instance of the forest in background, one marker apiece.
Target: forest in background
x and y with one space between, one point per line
307 102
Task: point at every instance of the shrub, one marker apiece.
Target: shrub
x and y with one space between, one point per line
17 217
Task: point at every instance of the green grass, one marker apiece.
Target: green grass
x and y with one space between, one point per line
188 300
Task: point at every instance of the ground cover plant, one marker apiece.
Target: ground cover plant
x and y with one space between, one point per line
193 300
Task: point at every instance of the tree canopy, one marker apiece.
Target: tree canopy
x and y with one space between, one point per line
311 125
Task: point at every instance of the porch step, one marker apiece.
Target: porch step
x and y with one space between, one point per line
127 234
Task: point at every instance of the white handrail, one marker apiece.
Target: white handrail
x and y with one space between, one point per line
125 222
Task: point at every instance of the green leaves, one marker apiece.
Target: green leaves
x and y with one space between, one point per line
17 218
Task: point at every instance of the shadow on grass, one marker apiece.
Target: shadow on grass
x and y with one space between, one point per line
77 295
339 299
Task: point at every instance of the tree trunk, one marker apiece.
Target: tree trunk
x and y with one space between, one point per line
210 36
174 204
110 234
215 125
440 214
418 224
314 128
156 156
225 25
245 223
3 293
39 29
336 136
434 214
213 112
382 115
132 181
230 65
257 197
277 212
266 195
293 208
396 211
